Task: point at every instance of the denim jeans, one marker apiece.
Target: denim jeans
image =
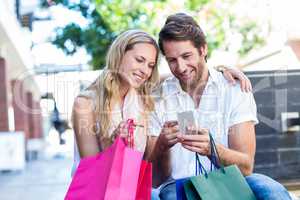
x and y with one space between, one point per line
263 187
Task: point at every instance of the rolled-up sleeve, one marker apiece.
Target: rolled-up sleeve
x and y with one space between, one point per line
243 107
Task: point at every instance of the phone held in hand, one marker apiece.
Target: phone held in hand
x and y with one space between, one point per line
185 119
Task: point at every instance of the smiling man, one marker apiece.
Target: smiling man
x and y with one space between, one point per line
219 108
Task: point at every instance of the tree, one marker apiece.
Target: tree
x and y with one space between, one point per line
107 18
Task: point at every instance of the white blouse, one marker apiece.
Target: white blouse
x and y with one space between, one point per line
132 109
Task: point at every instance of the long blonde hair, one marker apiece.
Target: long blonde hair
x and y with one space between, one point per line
107 85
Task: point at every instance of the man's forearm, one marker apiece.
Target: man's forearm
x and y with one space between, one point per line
231 157
160 159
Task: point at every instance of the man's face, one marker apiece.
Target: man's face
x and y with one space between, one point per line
186 62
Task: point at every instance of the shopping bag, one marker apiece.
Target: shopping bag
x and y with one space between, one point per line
227 183
180 194
110 175
145 182
219 184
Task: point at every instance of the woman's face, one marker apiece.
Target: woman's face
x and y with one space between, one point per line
137 64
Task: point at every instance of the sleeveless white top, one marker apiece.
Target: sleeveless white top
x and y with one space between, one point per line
132 109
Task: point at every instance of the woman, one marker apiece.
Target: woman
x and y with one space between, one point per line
121 92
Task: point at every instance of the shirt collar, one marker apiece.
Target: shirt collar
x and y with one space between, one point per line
171 86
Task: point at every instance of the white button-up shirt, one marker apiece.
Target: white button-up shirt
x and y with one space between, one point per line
221 106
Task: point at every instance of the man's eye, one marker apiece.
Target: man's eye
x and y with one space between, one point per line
186 56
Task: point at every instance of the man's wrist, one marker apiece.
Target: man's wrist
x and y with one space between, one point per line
221 150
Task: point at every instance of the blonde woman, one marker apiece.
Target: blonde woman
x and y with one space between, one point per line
121 92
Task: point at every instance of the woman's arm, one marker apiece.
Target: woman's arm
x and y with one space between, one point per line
231 74
84 127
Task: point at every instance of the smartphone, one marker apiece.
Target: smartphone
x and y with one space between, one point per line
185 119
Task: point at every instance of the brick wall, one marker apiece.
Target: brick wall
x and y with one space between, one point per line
3 97
30 116
19 105
37 118
278 153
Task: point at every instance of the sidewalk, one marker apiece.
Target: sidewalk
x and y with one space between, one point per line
42 179
46 179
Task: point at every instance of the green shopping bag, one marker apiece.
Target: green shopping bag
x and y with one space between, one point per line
224 183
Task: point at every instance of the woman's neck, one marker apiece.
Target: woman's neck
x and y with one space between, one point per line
123 90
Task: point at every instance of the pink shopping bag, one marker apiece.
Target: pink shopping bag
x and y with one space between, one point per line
145 182
110 175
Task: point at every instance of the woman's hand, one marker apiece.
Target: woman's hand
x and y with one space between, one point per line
121 130
231 74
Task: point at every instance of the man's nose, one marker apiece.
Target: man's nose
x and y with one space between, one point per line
181 66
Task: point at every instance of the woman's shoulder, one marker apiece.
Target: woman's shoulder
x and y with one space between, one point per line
85 99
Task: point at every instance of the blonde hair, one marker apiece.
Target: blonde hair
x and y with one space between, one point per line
107 85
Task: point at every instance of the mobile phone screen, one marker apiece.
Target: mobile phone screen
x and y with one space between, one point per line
185 119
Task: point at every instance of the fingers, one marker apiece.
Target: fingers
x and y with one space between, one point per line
192 130
202 151
172 142
170 123
232 74
248 84
245 83
121 130
194 138
198 144
168 135
229 76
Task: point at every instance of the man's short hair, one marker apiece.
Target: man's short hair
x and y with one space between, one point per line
180 27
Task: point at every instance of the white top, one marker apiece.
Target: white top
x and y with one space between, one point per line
132 109
221 106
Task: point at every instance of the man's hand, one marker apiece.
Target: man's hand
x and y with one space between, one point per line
196 140
168 135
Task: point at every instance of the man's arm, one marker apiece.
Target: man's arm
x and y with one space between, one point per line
242 145
160 161
158 151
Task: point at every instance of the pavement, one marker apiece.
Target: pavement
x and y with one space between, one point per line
46 179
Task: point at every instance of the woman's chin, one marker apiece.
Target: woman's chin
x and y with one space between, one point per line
136 85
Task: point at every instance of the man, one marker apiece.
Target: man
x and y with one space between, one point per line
219 108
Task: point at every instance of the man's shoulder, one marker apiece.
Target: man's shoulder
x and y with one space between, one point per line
224 84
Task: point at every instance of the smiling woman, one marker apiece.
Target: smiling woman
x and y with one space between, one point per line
121 92
137 64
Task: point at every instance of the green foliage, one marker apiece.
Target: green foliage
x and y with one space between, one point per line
95 37
108 18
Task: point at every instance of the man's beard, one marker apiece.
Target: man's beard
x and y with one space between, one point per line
193 83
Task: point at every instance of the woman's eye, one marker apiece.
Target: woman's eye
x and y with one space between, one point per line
152 66
139 60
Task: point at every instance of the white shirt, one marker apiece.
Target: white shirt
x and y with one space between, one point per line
132 109
221 106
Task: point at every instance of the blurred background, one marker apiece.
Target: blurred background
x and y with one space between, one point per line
52 49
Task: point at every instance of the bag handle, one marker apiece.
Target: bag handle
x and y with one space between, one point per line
214 159
130 128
